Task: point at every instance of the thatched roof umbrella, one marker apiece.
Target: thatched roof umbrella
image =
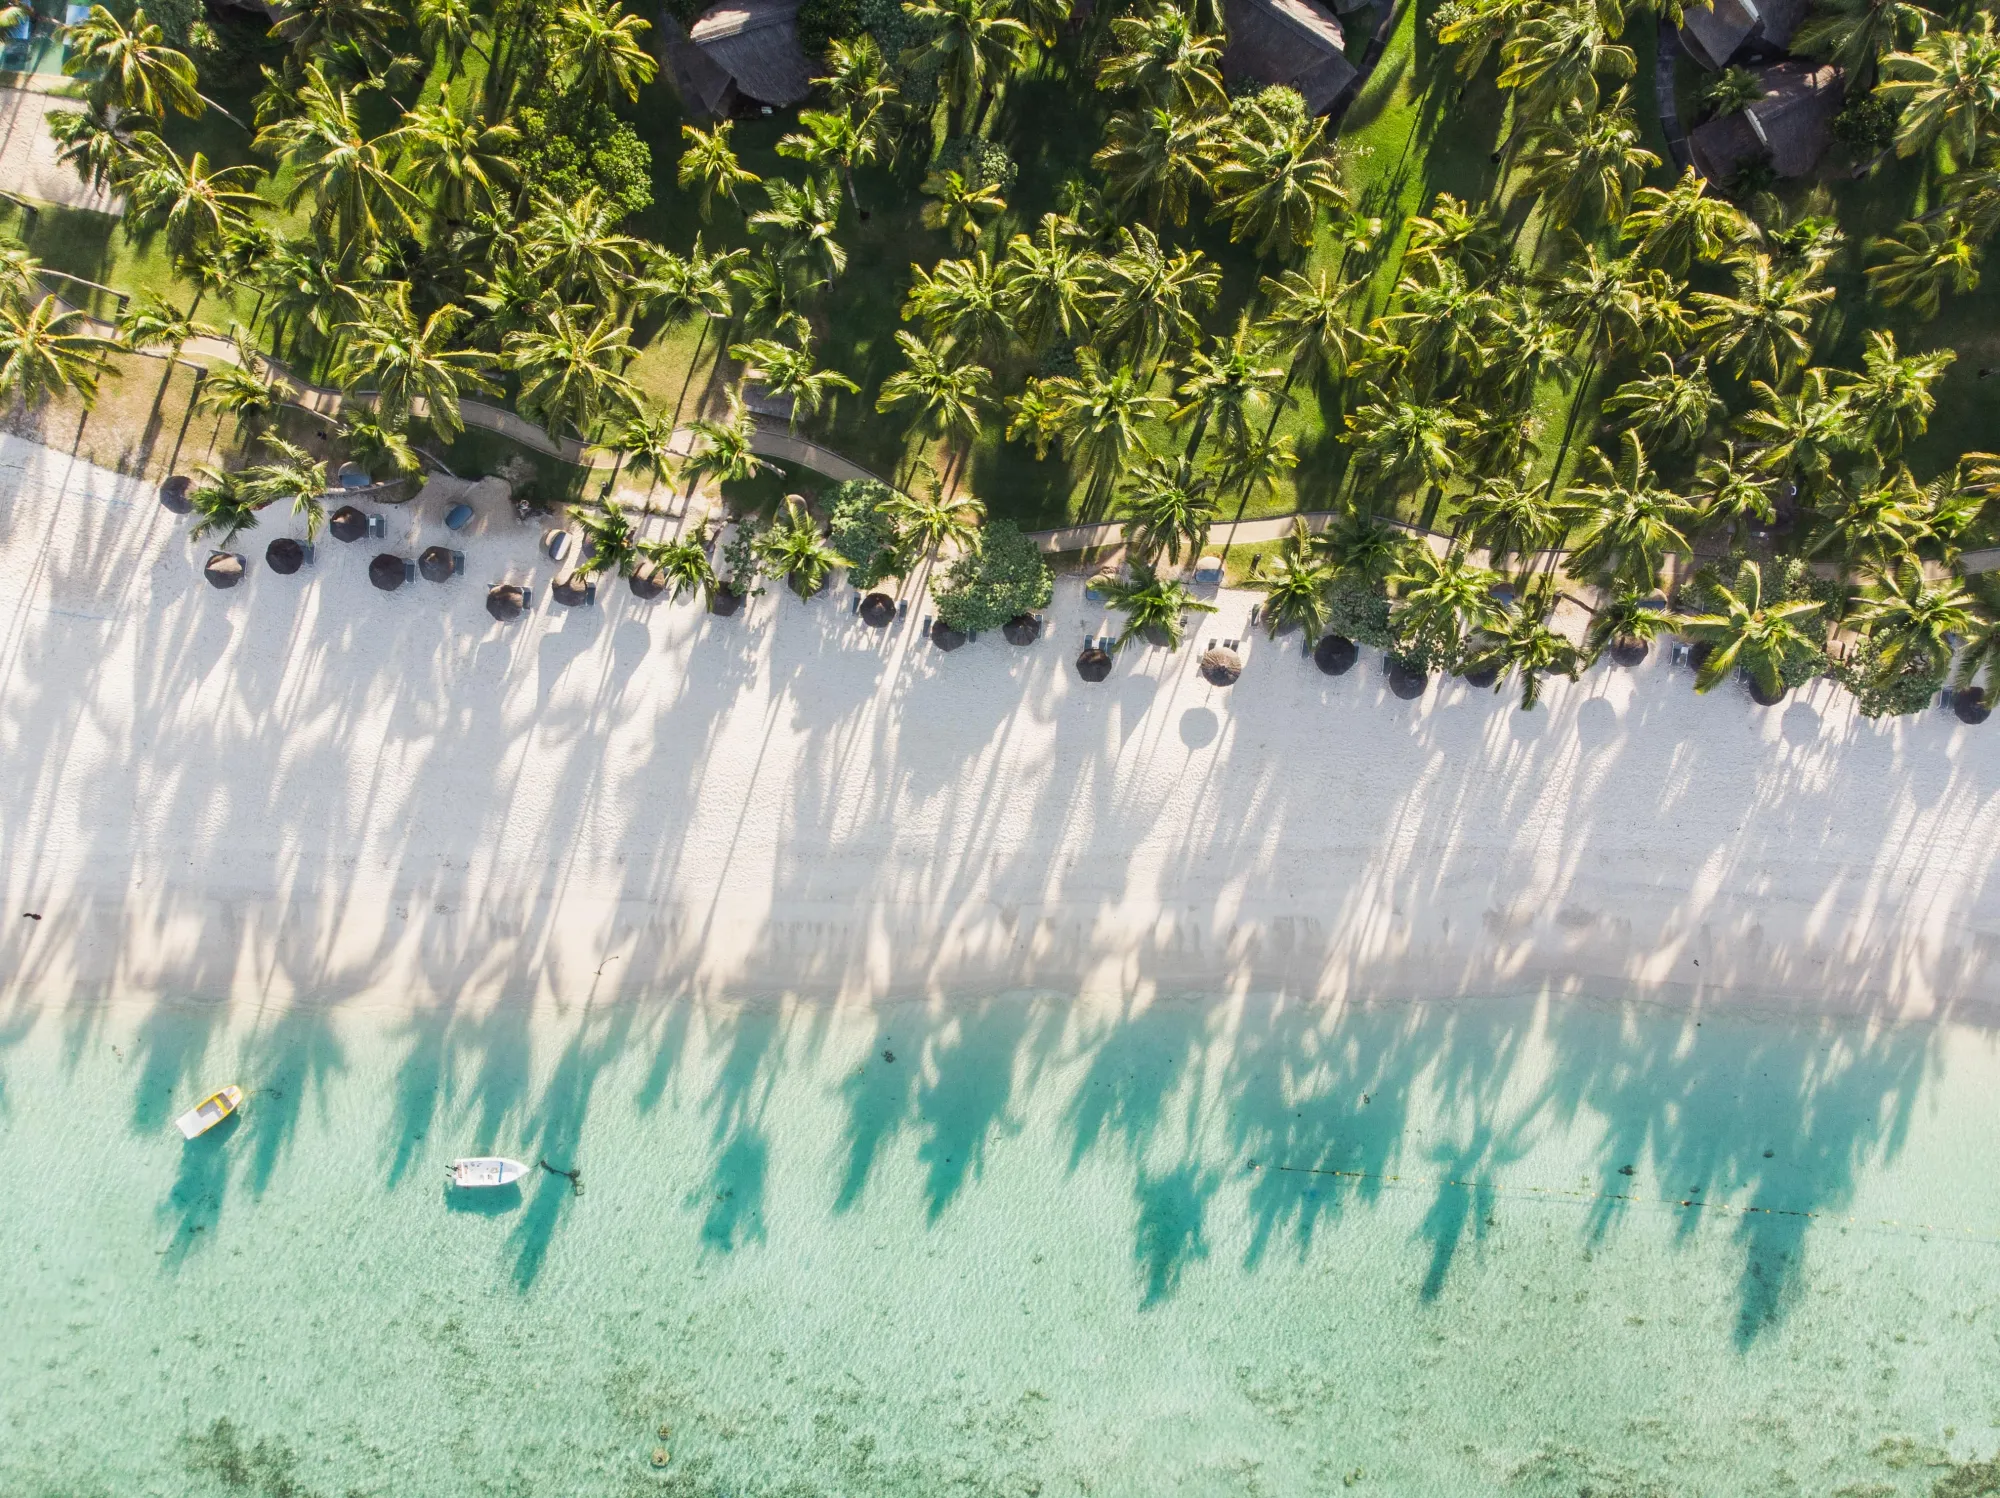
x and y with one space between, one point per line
571 590
877 609
386 571
1220 666
1766 699
223 569
1022 629
347 524
506 602
437 564
1482 677
285 556
1335 655
1628 650
1093 664
174 494
1407 681
945 637
1971 705
646 581
724 600
1699 652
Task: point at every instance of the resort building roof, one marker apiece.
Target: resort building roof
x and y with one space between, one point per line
1298 43
742 53
1791 123
1714 34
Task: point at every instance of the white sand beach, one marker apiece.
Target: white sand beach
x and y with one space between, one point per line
306 788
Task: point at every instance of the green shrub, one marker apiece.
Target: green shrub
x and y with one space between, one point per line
1359 612
1887 694
563 154
1867 124
864 532
1001 576
824 22
981 162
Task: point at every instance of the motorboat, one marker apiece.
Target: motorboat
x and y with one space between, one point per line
485 1171
210 1111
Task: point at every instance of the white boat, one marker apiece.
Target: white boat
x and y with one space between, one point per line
210 1111
486 1170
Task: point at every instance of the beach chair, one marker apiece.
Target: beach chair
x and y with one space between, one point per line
409 569
458 517
375 526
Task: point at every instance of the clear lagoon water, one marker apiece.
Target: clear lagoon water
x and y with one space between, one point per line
1017 1245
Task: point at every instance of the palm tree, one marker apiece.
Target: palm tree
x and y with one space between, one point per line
1731 91
453 28
574 245
1602 301
1669 227
295 475
612 543
241 389
1891 401
838 138
1796 434
1730 490
1584 162
1365 547
1148 298
963 300
794 548
1228 383
1762 638
802 218
1767 324
321 28
1627 618
572 373
683 564
374 443
722 450
599 49
411 362
196 208
1877 524
1407 441
40 356
151 322
1168 505
708 161
1308 326
1518 638
308 296
1254 461
1444 329
683 286
130 67
1669 407
356 199
858 76
222 505
1511 517
1461 234
1277 176
956 205
1097 412
971 42
1295 587
1166 61
1556 57
455 158
1046 279
1476 28
789 373
946 394
1947 89
646 442
1918 264
1911 621
1155 157
1444 599
101 142
1625 523
1854 34
1153 606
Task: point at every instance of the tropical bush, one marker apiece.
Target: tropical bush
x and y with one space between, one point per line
863 530
1000 575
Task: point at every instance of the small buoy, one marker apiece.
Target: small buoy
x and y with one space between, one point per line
660 1457
665 1431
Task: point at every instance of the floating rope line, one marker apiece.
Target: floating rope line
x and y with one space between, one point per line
1688 1203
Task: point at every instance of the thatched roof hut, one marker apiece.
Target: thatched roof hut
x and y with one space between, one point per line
285 556
1407 681
1971 705
1093 664
739 55
945 637
877 609
387 571
1336 655
1220 666
506 602
1759 30
572 591
223 569
174 494
1294 42
1791 124
1022 629
347 524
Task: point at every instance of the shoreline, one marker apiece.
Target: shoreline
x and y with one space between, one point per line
307 790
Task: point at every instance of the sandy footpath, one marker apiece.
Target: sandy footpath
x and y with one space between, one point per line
310 789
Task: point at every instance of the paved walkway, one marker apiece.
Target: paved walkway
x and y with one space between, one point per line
28 164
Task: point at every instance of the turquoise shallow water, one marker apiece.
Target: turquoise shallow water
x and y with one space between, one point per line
1009 1245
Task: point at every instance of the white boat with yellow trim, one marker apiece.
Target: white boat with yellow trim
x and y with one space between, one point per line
485 1171
210 1111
